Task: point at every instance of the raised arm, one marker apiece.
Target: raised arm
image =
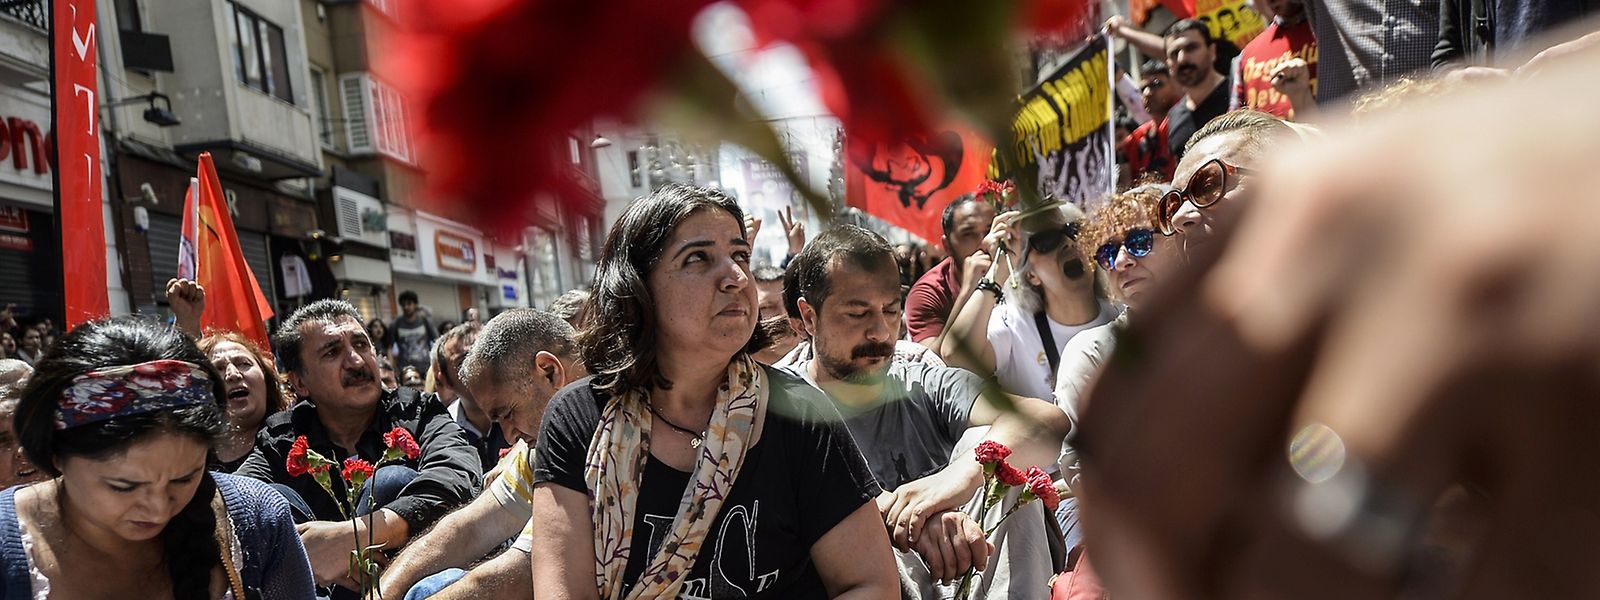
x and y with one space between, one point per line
965 342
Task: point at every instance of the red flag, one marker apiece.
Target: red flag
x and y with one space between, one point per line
234 301
78 175
908 184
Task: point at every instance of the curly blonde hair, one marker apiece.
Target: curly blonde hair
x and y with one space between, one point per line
1132 209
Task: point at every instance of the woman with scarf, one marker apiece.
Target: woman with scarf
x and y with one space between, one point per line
683 467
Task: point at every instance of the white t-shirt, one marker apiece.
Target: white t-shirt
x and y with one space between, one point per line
1081 361
1019 358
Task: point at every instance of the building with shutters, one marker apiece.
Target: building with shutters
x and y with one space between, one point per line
228 77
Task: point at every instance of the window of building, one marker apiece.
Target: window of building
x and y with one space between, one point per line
634 176
259 58
319 93
128 15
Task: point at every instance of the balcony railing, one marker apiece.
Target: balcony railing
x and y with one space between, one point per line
31 12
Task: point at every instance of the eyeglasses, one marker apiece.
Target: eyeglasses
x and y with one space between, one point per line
1049 240
1139 243
1208 184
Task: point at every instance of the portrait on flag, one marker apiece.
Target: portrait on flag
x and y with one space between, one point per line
1231 20
1061 144
908 184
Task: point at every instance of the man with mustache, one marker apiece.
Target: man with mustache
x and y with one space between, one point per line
908 417
1191 58
344 412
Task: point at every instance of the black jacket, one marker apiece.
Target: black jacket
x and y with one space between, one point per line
448 469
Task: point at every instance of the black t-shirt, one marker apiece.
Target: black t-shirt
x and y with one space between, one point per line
1182 123
801 478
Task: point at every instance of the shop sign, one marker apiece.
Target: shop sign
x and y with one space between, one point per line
455 252
506 273
13 219
15 242
510 292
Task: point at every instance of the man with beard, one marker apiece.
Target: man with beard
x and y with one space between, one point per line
344 412
908 417
1191 58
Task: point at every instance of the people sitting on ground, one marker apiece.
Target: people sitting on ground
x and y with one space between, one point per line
769 288
343 412
14 466
254 389
908 418
411 335
481 431
938 295
521 358
683 467
904 350
1017 323
121 417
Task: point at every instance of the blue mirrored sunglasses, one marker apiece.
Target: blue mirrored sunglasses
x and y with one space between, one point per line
1139 242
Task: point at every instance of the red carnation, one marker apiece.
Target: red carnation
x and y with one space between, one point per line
1009 475
990 452
401 440
1042 486
297 464
357 471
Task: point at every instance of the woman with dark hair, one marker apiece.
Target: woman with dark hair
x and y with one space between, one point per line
252 389
379 332
681 452
121 415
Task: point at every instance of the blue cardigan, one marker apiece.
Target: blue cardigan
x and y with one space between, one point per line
274 566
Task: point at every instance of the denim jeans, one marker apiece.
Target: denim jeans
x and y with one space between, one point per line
434 583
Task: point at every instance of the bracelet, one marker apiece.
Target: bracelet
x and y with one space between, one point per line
988 285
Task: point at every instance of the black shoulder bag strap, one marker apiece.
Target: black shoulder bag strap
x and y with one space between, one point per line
1049 339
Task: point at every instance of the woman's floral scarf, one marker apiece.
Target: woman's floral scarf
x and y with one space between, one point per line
616 464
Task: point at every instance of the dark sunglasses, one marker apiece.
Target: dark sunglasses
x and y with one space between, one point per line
1049 240
1139 243
1208 184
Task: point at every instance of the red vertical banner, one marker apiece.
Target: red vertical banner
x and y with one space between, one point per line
78 173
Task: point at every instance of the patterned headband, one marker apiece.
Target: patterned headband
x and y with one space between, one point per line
130 390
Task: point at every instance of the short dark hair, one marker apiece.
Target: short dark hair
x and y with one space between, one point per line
288 338
618 342
858 246
507 344
1182 26
123 341
408 296
1153 67
440 361
767 274
948 219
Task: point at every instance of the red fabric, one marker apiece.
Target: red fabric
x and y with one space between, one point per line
1262 55
1081 583
83 236
930 300
234 301
909 183
1147 153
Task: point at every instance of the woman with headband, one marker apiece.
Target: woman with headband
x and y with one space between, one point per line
122 414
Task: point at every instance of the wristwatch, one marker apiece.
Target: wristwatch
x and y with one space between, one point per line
988 285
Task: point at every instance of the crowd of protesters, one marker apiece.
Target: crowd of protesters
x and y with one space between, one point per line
838 425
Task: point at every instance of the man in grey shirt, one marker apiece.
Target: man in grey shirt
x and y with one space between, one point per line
907 419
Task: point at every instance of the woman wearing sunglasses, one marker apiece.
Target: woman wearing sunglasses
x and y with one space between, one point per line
1123 237
1016 324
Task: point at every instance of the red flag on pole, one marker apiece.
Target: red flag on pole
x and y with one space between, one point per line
234 301
909 184
79 212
